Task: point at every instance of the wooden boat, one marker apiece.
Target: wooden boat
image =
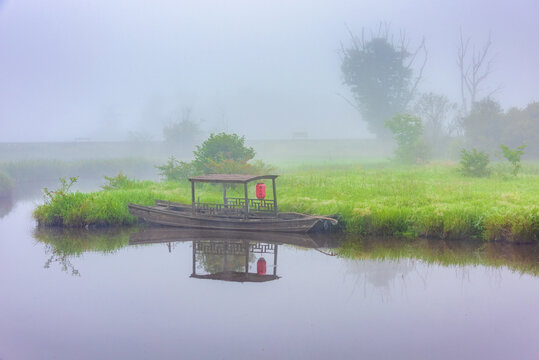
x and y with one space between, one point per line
239 214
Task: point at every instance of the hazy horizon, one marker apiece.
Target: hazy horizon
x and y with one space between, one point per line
100 70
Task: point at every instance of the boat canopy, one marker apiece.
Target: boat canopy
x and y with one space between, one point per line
230 178
241 206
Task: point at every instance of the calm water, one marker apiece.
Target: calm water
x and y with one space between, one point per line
95 296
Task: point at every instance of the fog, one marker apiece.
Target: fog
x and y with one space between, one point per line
101 69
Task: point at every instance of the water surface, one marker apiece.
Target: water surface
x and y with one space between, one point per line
104 295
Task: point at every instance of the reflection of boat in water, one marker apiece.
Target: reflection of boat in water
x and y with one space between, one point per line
243 213
230 255
164 234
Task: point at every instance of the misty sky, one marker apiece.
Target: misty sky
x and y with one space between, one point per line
99 69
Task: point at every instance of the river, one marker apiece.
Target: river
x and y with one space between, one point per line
106 295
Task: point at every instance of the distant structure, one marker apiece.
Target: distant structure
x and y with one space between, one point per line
300 135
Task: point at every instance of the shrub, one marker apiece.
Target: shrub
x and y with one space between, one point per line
220 153
220 148
513 156
474 163
119 181
175 170
63 190
407 133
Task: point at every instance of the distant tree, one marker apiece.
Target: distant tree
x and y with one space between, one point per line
435 111
475 66
484 126
522 125
183 134
408 134
380 74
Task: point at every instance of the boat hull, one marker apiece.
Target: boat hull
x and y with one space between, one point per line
180 215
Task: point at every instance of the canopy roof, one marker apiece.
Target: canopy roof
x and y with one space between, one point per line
230 178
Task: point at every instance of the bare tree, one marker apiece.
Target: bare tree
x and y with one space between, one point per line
435 111
475 66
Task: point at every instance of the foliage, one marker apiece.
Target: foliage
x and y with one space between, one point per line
513 156
176 170
380 76
63 190
427 200
407 132
487 125
474 163
102 208
228 166
522 126
117 182
483 124
219 154
219 147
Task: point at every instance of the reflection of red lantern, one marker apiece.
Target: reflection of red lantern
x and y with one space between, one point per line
260 190
261 266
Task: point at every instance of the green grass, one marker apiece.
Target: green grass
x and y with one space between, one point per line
428 200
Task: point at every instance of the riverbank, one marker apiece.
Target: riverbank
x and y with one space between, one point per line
422 201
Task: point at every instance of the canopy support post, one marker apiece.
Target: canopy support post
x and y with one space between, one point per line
193 196
274 197
224 196
246 207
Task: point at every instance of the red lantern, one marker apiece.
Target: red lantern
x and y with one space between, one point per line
261 266
260 190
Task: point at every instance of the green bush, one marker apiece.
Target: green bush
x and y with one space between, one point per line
219 154
474 163
119 181
175 170
513 156
408 134
219 148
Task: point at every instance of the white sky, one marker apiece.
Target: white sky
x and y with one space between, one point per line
265 69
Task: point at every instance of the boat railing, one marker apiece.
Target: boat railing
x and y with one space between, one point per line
236 206
257 205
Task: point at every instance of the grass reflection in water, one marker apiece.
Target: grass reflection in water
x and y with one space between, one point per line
65 244
522 258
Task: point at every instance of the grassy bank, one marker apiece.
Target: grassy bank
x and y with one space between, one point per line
429 200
